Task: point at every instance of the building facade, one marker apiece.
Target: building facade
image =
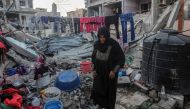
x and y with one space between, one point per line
111 7
43 23
78 13
20 13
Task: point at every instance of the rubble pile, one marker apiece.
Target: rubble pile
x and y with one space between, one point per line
66 53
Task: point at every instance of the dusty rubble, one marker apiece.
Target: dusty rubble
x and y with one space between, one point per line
67 52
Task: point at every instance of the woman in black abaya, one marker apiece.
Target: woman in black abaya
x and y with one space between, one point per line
107 58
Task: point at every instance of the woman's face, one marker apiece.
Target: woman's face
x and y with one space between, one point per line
102 39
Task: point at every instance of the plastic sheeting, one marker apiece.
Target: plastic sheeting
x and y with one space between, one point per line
56 44
78 53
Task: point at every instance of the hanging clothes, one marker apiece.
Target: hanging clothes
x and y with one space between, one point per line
84 23
113 20
69 23
76 25
124 19
91 23
51 19
33 19
63 25
44 19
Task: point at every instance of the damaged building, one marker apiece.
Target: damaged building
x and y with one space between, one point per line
156 70
111 7
78 13
20 13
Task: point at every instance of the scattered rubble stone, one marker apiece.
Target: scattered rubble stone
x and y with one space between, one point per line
134 101
168 104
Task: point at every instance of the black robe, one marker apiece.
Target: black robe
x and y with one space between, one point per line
110 59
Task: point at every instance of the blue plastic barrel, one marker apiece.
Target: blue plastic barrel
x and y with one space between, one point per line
67 81
11 71
54 104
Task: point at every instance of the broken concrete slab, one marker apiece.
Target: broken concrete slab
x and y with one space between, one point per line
179 99
2 68
22 48
173 15
118 106
155 106
163 19
137 99
168 104
18 59
20 35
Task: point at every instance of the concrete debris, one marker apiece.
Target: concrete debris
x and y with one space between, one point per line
77 53
179 98
155 106
117 106
163 19
168 104
19 59
20 35
22 48
57 44
67 52
173 15
135 100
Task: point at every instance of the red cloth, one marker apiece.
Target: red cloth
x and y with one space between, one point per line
16 101
9 91
2 46
91 23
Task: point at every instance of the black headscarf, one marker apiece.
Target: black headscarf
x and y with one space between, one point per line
103 31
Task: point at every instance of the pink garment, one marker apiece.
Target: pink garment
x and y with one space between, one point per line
91 23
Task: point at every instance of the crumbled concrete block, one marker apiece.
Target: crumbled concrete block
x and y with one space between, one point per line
168 104
118 106
155 106
153 94
134 101
179 99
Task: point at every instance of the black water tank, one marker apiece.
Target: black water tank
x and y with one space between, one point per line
166 61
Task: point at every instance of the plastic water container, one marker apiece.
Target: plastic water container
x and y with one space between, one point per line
67 81
86 67
11 71
51 90
54 104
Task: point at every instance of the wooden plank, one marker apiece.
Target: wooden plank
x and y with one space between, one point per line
180 16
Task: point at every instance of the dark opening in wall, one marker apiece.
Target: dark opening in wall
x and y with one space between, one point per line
117 8
145 7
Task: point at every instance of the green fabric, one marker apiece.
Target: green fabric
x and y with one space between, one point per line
129 59
3 106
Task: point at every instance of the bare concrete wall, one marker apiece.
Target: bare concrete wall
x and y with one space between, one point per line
130 6
107 11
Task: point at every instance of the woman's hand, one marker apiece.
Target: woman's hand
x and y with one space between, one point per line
112 75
